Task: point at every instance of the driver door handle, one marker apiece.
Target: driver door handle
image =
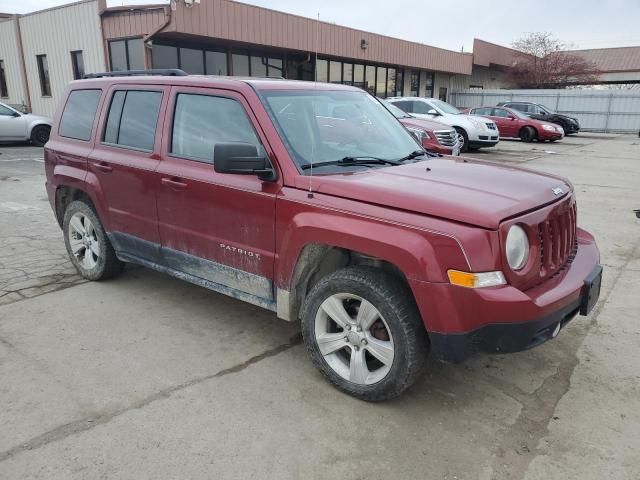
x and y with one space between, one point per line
174 183
103 167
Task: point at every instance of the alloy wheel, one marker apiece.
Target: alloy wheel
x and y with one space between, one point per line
83 240
354 338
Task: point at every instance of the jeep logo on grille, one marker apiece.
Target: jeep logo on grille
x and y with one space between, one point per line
558 191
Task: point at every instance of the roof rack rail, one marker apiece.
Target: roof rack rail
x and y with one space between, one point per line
169 72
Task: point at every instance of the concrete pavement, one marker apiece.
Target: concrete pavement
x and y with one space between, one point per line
145 376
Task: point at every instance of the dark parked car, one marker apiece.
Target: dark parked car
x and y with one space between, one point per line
384 252
540 112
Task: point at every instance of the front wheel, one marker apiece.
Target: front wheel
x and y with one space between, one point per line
463 139
364 333
87 243
527 134
40 135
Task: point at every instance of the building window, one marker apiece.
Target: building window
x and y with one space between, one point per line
77 63
399 83
370 79
240 65
132 119
4 91
192 61
274 67
381 82
258 66
43 72
335 72
126 54
415 83
428 85
358 76
215 63
164 56
442 94
347 73
322 71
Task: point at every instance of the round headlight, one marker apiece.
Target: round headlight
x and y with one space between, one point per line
517 247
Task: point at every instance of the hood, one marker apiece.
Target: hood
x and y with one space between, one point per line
472 192
429 125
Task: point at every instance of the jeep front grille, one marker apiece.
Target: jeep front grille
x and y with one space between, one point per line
558 243
446 138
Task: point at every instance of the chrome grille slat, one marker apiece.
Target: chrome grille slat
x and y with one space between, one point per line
447 138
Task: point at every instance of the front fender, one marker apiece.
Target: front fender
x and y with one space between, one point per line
34 123
419 253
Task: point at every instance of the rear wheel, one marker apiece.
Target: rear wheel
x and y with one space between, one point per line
40 135
87 243
528 134
463 139
364 333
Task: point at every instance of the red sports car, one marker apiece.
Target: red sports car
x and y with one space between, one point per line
514 124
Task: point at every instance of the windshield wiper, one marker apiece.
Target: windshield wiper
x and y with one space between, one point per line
349 161
415 154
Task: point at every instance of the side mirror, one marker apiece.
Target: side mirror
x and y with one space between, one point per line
16 114
511 118
542 112
434 112
241 159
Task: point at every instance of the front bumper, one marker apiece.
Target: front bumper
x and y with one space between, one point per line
434 146
491 141
462 321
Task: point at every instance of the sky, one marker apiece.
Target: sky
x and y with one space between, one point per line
453 24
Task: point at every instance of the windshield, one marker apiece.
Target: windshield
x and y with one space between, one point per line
398 113
444 106
546 109
325 126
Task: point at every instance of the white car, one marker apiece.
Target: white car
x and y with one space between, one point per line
473 132
20 127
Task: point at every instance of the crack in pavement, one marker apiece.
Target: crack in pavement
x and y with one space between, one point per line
78 426
518 446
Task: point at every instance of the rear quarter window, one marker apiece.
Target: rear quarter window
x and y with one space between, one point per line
79 114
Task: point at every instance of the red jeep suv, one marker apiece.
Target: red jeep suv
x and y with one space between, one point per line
313 201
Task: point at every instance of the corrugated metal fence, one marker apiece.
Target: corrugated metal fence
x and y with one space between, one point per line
612 111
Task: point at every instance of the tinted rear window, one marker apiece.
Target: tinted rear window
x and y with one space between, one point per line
79 114
132 119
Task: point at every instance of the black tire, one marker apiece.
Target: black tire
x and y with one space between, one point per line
462 136
528 134
107 264
40 135
398 310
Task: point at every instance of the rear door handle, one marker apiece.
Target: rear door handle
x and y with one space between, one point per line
103 167
174 183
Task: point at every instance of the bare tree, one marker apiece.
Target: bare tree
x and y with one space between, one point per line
546 63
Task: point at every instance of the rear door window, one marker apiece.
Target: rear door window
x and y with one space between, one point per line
201 121
132 119
79 114
421 107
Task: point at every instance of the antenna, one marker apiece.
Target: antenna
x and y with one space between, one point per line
315 78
